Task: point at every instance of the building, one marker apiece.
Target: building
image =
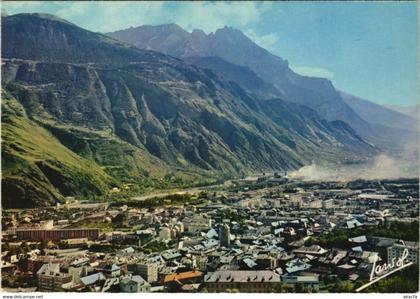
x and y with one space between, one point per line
7 268
396 251
202 262
358 240
315 204
110 270
90 281
312 250
244 281
297 265
36 263
148 271
381 245
224 235
296 200
50 279
265 261
307 281
134 284
46 224
352 223
165 234
346 270
175 282
75 243
77 273
328 204
57 234
196 224
190 276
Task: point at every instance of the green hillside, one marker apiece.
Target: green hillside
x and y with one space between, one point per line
36 165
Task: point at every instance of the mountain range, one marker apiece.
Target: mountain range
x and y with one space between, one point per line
83 112
412 111
228 47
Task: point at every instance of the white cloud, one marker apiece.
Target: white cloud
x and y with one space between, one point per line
16 5
313 72
210 16
267 41
111 16
97 16
104 16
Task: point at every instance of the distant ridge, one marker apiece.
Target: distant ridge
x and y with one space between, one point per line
142 118
235 48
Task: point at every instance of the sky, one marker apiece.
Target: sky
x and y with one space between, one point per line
368 49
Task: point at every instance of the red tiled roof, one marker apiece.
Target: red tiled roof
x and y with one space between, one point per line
182 276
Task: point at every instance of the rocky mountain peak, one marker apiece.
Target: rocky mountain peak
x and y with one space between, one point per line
143 116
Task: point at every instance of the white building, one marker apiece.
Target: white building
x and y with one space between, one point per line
396 251
50 279
165 234
148 271
134 284
315 204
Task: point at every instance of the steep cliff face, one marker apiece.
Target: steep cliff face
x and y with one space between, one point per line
242 75
234 47
227 50
149 119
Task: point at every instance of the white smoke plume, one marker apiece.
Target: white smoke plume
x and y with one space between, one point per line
381 167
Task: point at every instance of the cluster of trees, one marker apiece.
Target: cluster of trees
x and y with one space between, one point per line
24 247
231 215
406 281
339 237
12 281
341 286
94 223
172 199
107 248
155 246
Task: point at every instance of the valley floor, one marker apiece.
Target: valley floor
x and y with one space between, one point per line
263 234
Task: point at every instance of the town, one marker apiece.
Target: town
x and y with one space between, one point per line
262 234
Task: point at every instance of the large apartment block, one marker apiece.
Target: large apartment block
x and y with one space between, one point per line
57 234
396 251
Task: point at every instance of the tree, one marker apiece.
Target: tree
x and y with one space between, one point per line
287 289
299 288
43 245
118 219
278 288
405 282
346 287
